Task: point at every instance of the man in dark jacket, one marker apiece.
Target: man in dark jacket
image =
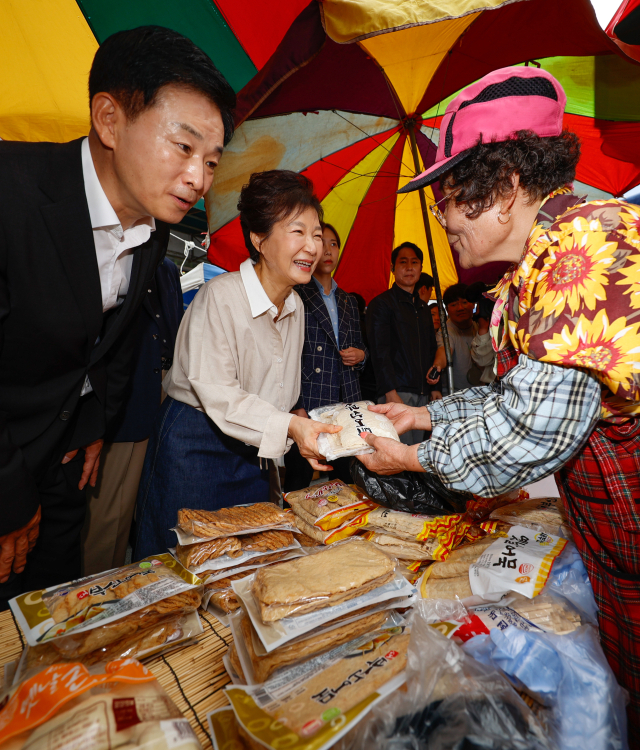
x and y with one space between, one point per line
84 227
401 336
113 499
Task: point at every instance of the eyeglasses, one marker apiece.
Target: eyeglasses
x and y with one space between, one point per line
437 213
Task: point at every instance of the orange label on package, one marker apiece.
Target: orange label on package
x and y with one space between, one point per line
40 697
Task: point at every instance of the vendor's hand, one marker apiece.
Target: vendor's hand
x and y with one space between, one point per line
305 433
91 462
300 413
393 398
15 546
483 326
391 456
434 381
351 356
404 417
436 395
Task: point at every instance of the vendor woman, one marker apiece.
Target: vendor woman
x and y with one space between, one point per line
566 326
236 370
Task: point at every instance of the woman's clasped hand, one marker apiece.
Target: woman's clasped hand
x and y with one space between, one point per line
305 433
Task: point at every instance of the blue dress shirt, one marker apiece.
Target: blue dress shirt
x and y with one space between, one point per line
332 305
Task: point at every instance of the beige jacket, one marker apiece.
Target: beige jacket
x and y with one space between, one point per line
236 364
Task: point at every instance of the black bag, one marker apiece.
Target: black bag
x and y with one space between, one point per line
409 491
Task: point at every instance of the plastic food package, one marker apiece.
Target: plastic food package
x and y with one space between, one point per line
257 667
396 594
539 513
568 673
522 563
320 699
450 701
67 706
238 519
341 572
353 418
220 599
449 579
142 643
401 548
317 536
449 529
409 491
90 613
549 613
335 501
225 561
194 555
209 576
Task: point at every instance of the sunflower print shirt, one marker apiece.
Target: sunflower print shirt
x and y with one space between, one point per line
574 299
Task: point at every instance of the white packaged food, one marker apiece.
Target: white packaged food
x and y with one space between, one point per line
354 418
520 562
275 634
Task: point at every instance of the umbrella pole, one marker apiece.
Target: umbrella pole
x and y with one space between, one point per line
432 256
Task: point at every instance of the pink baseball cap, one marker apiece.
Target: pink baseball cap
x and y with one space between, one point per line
493 109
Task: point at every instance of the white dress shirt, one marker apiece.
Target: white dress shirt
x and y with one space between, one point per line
114 245
234 361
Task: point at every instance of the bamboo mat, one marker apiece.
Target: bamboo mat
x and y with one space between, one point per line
192 675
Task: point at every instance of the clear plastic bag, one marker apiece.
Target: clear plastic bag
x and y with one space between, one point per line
354 418
450 701
570 581
569 674
409 491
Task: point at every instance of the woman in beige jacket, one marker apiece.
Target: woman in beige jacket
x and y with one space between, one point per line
236 369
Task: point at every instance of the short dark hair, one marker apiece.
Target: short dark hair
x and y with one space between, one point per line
134 65
454 293
271 196
424 280
543 164
411 246
325 225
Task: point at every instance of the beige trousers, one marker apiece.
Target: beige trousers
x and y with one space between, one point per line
110 506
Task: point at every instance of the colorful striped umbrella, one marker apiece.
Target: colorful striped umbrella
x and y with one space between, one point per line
353 81
47 49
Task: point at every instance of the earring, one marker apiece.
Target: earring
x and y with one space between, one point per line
507 221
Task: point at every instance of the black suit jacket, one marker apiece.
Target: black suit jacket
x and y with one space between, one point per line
50 317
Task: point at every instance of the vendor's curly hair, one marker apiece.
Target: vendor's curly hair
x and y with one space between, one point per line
544 164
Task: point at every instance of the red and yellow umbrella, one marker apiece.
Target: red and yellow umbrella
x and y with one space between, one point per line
352 82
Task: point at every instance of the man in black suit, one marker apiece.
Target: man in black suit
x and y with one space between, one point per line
84 226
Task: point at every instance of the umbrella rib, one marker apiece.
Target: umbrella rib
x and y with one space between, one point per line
357 127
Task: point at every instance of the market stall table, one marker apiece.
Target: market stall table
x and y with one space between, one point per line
193 675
